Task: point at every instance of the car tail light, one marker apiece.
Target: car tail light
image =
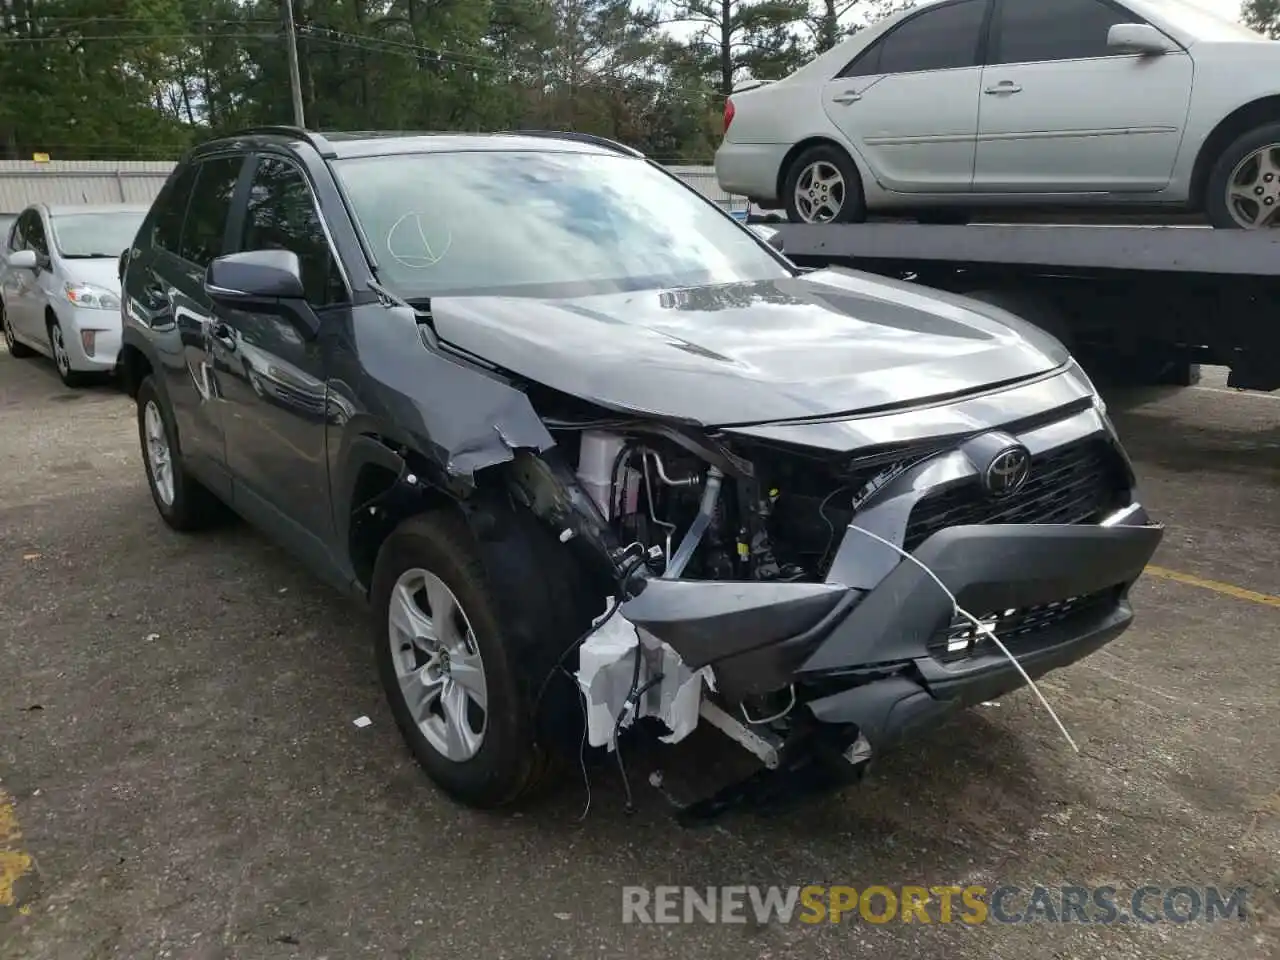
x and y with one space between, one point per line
728 114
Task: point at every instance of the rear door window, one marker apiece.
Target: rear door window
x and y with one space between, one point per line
205 229
171 210
944 38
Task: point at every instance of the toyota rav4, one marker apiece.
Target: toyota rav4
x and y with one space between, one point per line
590 448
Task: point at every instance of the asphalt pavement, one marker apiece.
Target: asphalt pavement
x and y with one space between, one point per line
181 776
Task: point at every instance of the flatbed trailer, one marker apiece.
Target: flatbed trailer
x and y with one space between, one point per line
1138 304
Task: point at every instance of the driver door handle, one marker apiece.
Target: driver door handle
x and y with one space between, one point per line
848 97
1004 86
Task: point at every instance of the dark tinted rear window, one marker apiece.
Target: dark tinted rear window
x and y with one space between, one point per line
171 209
206 224
944 38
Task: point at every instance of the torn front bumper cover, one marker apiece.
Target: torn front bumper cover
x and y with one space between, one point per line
890 659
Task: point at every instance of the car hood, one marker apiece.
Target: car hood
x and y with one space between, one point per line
820 344
101 272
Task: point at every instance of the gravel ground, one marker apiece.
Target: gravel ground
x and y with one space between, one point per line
180 775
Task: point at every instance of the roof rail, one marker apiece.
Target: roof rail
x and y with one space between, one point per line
591 138
316 140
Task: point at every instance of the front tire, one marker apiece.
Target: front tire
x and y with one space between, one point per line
182 502
1243 190
823 186
62 356
19 351
435 610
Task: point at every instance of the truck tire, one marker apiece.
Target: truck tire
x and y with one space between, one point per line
1239 165
461 656
825 161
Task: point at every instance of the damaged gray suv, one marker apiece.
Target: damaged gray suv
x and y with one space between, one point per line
596 454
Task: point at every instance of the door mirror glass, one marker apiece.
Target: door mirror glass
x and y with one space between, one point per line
255 275
23 260
1138 38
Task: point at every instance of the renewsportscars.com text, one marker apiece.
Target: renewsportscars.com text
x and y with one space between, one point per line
933 904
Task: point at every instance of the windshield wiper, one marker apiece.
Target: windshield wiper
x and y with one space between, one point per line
89 256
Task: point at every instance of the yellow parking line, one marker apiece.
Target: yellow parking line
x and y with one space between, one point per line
14 862
1226 589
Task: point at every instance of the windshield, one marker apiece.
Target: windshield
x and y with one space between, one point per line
81 235
542 224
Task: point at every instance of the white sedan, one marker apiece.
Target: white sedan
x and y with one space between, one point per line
61 291
957 105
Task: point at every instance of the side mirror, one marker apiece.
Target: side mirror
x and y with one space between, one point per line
24 260
239 279
1139 38
769 235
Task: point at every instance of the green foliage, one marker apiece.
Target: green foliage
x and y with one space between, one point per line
138 79
1263 16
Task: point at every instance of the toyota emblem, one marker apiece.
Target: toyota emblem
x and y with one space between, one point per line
1008 471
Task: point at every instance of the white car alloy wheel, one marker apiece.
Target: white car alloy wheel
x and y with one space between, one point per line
438 665
159 456
820 192
60 355
1253 189
8 333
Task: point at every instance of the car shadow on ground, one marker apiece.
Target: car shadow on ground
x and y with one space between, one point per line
1224 447
93 386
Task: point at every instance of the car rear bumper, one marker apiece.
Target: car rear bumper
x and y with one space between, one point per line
878 659
750 169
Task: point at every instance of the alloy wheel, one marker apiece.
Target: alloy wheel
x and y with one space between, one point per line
820 192
159 456
1253 189
9 340
60 355
438 664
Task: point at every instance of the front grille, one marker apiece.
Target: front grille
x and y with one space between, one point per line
1076 483
1015 627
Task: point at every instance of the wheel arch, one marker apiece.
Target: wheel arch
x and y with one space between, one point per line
815 141
1239 121
384 481
381 482
134 366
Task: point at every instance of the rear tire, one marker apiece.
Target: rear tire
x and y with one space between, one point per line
182 502
1263 193
19 351
509 765
852 204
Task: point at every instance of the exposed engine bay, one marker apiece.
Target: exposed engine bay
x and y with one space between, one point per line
700 510
779 521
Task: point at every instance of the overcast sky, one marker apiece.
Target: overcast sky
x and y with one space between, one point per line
1223 8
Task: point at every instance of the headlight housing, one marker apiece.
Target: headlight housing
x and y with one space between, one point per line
91 296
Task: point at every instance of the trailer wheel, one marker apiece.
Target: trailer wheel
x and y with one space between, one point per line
1243 190
1034 308
823 186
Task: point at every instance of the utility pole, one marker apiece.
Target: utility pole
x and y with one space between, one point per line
295 80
